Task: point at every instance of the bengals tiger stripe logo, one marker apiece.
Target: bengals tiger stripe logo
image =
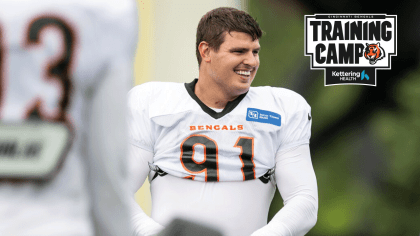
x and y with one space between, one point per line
374 52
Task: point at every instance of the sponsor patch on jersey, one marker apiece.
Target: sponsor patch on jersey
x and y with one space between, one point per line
263 116
32 150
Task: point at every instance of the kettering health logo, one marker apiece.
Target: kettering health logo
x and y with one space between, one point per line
350 47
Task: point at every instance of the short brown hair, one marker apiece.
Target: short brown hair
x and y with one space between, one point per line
216 22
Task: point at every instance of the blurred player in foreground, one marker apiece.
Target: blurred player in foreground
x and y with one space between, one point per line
65 70
216 147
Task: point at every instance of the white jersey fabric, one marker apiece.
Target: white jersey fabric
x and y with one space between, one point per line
68 62
162 117
190 140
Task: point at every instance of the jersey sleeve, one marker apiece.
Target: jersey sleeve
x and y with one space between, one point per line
106 127
297 121
296 182
139 123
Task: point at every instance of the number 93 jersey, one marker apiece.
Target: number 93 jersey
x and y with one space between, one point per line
191 140
57 59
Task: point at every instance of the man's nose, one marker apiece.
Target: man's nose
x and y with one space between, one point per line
251 59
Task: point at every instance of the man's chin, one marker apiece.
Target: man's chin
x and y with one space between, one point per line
243 88
245 83
245 79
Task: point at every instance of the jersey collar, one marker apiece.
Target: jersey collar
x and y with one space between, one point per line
216 115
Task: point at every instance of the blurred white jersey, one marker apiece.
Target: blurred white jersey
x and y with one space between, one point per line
190 140
65 69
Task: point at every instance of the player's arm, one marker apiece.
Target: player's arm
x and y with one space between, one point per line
106 147
117 25
297 185
139 169
140 155
294 172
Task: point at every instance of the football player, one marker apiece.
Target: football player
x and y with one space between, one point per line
215 149
65 70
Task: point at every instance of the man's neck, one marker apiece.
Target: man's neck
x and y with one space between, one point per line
211 95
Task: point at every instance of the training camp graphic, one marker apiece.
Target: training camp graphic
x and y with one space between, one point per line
350 47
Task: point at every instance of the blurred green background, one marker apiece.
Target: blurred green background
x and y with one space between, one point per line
365 140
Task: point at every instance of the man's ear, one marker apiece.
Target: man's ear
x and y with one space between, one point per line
204 50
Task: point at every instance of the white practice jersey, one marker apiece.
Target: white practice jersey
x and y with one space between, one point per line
190 140
65 68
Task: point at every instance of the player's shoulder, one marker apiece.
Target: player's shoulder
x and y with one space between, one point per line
118 17
113 16
155 87
113 9
109 8
103 6
284 97
154 91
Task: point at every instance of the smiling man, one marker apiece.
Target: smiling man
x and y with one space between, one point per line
216 148
227 71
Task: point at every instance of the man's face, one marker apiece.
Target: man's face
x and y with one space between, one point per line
234 66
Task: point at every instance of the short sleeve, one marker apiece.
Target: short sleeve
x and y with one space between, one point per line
139 123
297 123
